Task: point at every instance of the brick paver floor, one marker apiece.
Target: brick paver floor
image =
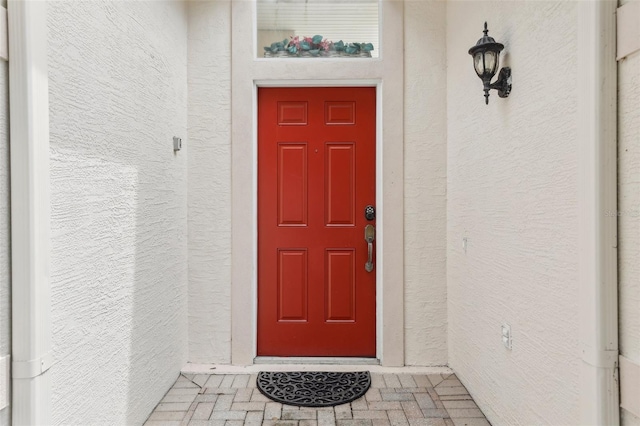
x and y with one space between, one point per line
393 399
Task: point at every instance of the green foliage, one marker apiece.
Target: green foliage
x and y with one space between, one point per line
304 45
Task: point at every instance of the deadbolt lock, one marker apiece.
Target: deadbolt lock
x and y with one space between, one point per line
370 212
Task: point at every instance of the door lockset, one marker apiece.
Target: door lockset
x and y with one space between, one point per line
370 212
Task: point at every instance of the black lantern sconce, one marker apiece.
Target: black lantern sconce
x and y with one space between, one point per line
486 59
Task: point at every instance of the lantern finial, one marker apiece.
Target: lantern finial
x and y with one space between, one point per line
486 30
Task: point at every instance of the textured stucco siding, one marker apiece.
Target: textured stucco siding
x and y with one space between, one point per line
209 200
5 228
512 175
629 212
117 87
425 157
628 419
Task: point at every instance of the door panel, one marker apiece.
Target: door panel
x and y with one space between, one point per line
293 279
339 184
316 175
341 286
292 184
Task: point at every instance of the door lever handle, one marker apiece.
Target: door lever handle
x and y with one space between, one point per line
369 236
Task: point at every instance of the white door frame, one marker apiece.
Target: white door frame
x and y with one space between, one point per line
379 178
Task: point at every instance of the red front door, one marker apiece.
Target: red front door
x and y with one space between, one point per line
316 176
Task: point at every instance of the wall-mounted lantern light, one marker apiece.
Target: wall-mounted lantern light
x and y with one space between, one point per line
486 58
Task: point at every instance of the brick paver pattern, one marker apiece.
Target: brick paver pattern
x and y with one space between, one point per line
393 399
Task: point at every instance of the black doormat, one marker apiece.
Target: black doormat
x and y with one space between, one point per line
313 388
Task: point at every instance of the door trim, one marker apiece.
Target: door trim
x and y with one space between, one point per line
389 315
380 214
380 218
387 74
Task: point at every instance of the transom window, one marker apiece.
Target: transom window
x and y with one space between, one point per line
347 28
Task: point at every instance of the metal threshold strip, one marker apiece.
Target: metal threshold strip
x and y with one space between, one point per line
316 360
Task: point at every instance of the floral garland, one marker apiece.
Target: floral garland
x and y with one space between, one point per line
315 45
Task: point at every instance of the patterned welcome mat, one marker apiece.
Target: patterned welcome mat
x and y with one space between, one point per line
313 388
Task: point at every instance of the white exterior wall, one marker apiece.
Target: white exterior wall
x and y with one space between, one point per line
119 220
209 189
425 183
5 227
629 214
210 181
512 175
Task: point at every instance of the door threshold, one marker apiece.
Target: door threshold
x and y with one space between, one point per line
315 360
372 367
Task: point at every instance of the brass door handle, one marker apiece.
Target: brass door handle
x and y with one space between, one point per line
369 237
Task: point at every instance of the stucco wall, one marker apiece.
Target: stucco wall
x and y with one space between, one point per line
512 192
209 80
628 419
5 228
117 86
425 191
629 212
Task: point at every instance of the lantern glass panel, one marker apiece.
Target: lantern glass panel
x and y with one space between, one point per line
478 63
490 62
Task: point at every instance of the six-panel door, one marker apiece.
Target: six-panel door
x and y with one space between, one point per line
316 175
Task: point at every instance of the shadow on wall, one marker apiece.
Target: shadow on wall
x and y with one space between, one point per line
119 266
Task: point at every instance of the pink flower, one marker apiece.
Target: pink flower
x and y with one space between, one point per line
323 45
